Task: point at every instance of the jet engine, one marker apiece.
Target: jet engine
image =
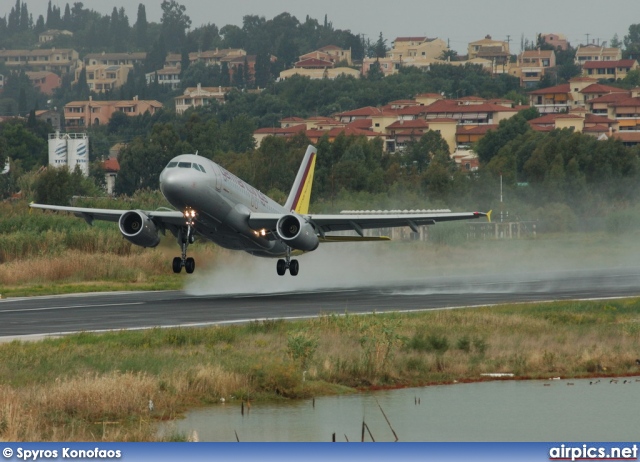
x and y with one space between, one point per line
297 233
138 229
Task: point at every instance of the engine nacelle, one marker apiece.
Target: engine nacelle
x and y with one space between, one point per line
297 233
139 229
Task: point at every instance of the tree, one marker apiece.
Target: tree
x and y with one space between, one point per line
262 70
142 160
175 23
419 153
22 145
141 27
615 42
380 49
157 56
375 72
494 140
632 42
448 55
57 186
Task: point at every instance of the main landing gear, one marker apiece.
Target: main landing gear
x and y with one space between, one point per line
186 236
287 263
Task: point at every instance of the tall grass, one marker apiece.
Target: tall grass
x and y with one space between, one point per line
92 387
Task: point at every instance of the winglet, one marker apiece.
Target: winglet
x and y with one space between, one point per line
300 194
489 215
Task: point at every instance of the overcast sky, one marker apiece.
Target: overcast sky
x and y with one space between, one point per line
459 21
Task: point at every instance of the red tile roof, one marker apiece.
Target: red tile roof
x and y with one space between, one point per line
626 102
411 110
363 111
362 124
608 64
610 98
313 62
630 137
111 165
598 119
281 131
408 124
444 106
564 88
475 129
348 131
410 39
430 95
596 129
543 128
597 88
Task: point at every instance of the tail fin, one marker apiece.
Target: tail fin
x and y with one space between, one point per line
298 200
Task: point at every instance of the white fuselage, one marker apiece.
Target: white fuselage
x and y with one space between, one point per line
222 202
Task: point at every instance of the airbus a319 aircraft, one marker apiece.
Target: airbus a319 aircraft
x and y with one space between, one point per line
214 204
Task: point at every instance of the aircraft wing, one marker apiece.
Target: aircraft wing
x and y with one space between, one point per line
168 217
360 221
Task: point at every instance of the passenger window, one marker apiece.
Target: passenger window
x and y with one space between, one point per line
172 164
184 164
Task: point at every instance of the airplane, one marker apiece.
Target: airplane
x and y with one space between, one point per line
216 205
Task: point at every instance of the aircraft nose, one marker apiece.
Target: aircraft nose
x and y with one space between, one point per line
173 181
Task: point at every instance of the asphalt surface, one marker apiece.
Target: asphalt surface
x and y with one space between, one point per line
36 316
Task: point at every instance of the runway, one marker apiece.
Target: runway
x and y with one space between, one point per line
20 317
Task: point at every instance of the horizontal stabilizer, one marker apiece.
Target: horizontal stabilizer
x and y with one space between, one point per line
353 239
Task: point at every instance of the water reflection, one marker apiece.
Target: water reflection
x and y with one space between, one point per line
557 410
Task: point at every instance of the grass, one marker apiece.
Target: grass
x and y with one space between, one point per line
97 386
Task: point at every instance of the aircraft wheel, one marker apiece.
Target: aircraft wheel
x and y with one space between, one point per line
190 265
177 264
294 267
281 267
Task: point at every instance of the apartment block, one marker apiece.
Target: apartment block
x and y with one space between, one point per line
60 61
610 70
593 52
199 96
114 59
81 114
101 78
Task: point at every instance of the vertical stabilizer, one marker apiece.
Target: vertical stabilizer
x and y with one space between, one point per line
298 200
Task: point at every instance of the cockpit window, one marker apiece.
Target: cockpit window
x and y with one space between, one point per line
184 164
198 167
172 164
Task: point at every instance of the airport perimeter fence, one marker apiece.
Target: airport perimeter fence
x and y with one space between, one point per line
457 232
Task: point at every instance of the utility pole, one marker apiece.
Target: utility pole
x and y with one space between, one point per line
588 38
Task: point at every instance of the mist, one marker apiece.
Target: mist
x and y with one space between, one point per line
410 267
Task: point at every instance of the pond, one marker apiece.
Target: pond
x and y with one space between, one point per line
503 410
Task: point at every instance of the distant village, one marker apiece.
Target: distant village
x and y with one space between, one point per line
586 103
